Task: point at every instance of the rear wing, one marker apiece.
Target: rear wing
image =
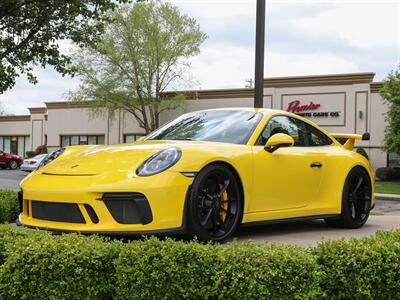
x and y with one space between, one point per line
347 140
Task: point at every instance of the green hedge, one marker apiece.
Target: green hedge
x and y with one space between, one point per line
9 207
38 265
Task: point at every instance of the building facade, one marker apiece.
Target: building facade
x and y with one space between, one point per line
348 103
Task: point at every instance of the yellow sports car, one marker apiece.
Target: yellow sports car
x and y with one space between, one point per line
205 173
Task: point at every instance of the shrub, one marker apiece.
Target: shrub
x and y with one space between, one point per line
367 268
30 154
176 270
388 174
362 152
267 271
9 207
154 269
42 149
38 265
42 266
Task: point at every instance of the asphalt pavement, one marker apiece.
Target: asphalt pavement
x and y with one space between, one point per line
385 216
10 179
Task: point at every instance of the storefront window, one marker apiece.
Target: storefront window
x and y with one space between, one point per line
15 144
393 160
130 138
72 140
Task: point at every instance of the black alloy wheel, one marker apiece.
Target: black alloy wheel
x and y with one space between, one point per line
356 200
216 204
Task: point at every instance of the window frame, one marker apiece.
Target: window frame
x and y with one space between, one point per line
259 139
79 139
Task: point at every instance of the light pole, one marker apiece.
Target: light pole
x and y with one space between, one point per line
259 63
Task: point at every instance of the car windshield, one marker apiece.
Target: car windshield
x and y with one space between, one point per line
226 126
40 156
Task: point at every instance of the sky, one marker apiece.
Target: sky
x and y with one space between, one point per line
302 38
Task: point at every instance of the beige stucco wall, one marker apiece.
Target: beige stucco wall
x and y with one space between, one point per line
12 128
360 110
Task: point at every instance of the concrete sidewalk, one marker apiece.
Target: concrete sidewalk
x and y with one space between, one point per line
389 197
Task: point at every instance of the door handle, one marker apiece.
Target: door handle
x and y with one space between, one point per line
316 165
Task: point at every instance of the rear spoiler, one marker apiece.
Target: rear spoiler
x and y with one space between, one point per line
350 138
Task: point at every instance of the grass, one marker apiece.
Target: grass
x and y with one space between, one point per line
387 187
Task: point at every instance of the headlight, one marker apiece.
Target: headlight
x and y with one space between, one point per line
49 158
159 162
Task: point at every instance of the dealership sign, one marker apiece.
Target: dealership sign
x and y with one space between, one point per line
309 109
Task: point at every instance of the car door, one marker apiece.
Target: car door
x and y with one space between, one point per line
290 177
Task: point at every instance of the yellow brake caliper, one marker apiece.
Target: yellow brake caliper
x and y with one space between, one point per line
224 204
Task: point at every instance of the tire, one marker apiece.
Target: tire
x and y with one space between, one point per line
13 165
356 200
215 205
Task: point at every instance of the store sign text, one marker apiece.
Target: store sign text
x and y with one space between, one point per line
296 107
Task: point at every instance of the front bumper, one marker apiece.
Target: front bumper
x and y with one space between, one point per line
105 204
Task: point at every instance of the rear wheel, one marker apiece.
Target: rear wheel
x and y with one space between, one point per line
356 200
13 165
215 205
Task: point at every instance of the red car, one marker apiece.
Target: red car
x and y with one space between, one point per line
11 161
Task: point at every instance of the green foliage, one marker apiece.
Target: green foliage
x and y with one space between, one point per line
144 51
30 31
367 268
42 266
167 270
38 265
388 174
391 95
362 151
30 154
9 207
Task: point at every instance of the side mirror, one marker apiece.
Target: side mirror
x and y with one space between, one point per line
277 141
140 139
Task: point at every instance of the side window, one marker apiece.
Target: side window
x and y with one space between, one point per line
282 124
316 137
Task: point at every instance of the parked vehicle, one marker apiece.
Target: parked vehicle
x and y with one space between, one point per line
33 163
205 173
9 160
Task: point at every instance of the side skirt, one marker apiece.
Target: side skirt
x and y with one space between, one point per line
298 219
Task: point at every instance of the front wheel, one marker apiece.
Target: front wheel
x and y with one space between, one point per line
13 165
356 200
215 205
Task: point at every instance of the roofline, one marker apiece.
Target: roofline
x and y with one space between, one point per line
16 118
280 82
37 110
317 80
67 104
376 87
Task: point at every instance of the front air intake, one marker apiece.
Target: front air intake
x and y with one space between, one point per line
128 208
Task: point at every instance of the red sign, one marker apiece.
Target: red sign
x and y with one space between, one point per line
296 107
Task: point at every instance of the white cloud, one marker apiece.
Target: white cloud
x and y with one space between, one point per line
303 37
364 25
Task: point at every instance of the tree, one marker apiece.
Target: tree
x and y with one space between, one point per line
391 96
143 51
30 31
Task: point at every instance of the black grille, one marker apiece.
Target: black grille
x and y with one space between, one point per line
128 208
57 211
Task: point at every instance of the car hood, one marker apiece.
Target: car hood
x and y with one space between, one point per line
93 160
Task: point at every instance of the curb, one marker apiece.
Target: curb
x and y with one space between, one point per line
390 197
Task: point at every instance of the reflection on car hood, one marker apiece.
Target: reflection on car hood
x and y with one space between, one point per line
93 160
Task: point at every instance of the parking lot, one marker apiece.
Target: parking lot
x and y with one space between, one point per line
385 216
10 179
